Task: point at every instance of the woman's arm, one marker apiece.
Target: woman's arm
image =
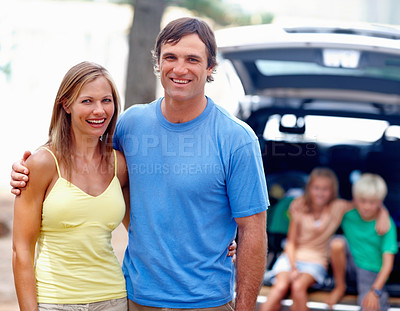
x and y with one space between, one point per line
26 227
123 177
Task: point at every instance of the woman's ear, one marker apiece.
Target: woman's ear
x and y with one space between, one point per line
67 110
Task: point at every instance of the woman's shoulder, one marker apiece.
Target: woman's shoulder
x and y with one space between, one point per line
42 169
41 160
120 158
122 170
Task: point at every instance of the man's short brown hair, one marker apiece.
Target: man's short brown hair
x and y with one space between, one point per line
184 26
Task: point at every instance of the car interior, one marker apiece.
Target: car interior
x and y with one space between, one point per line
289 158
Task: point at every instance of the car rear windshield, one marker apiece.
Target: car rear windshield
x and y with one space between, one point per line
318 67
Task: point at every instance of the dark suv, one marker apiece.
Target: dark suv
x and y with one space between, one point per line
319 96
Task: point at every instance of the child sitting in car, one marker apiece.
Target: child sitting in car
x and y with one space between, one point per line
371 255
315 217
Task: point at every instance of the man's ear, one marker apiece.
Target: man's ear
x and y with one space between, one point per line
157 68
210 71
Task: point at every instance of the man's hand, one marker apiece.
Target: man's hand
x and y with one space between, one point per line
19 174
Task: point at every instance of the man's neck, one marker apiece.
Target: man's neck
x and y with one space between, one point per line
181 112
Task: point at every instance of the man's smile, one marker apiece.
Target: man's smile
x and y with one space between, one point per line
180 81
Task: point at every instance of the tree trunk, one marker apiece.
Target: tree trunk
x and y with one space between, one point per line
140 80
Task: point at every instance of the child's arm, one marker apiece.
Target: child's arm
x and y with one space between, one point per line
290 247
371 300
382 224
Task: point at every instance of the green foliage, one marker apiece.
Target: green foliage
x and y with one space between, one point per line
254 19
6 69
122 1
221 11
224 13
133 1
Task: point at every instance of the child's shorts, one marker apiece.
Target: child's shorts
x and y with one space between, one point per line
317 271
364 279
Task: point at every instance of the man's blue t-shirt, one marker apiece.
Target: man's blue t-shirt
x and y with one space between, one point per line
188 181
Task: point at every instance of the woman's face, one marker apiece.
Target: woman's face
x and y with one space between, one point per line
93 109
320 191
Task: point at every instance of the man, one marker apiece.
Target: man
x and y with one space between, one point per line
196 177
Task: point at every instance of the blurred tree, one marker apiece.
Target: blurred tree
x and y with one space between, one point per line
141 81
224 13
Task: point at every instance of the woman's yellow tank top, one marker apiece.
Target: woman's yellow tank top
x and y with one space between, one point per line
75 262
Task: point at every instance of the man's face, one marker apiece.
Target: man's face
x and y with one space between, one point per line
367 207
183 69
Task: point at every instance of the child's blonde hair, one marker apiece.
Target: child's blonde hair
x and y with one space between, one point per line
370 186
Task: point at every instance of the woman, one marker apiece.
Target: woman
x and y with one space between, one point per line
73 202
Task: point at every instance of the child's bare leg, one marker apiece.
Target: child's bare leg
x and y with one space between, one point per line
278 292
299 290
338 262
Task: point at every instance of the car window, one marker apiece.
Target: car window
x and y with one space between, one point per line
319 67
334 62
327 130
392 133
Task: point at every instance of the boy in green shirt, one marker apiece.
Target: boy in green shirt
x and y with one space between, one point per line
373 254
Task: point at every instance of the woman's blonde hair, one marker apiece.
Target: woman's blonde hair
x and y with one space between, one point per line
326 173
60 133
